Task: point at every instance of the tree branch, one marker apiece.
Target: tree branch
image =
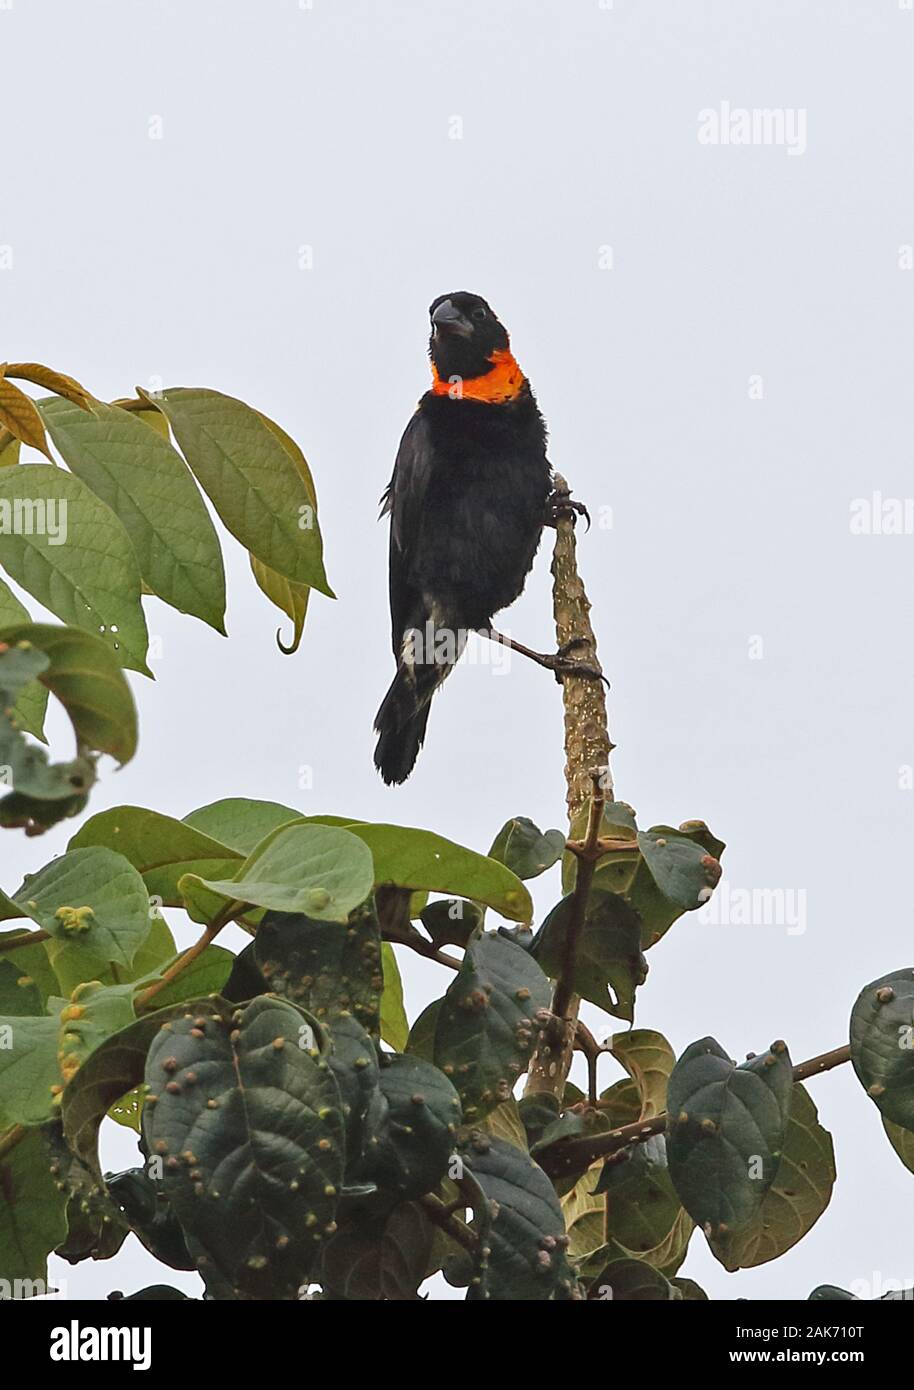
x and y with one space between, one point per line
587 747
227 914
571 1155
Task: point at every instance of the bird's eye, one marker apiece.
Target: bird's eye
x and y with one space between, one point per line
479 315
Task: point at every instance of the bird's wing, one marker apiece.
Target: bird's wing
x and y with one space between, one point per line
404 499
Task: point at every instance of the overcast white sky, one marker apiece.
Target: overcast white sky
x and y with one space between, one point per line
760 653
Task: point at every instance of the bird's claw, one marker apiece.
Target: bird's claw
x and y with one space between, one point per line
560 504
561 663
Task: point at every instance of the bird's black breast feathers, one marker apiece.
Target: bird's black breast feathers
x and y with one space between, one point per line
467 502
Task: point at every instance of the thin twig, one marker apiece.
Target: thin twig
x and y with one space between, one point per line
227 914
11 1138
26 938
452 1225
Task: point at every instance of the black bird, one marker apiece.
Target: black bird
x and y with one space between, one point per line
467 504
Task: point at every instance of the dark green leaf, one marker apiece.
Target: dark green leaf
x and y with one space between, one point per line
882 1045
727 1132
525 849
489 1022
609 965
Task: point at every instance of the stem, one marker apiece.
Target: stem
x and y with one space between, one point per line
11 1138
587 746
27 938
568 1155
438 1212
227 914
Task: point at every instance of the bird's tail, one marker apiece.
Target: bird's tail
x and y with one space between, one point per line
401 721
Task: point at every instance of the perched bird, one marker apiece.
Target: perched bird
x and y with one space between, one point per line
467 503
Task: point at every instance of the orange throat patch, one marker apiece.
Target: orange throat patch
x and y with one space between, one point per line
502 384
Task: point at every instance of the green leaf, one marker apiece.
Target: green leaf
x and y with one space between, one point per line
661 872
413 1133
113 1070
520 1223
30 958
451 921
147 485
206 974
38 1056
324 967
419 859
27 768
727 1132
609 965
84 675
20 997
525 849
487 1026
257 1175
32 1213
28 1069
9 449
319 870
240 822
394 1023
32 701
649 1061
251 480
291 598
633 1281
94 904
882 1045
902 1141
796 1199
92 581
421 1040
159 848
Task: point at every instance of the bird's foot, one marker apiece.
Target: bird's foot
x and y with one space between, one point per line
561 663
559 504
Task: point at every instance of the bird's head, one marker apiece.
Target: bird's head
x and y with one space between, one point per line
465 335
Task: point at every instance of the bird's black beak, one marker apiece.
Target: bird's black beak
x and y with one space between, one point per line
448 319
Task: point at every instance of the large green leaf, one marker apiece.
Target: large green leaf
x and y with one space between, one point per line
114 1069
94 904
487 1025
796 1199
248 1124
147 484
319 870
251 480
159 848
92 581
609 965
32 1214
419 859
39 1056
520 1224
325 967
413 1128
649 1061
240 822
645 1216
882 1045
727 1131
